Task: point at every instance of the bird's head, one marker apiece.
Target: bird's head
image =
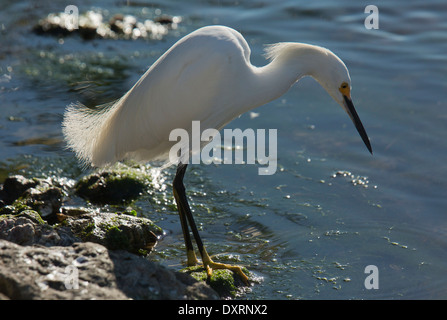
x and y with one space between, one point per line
333 75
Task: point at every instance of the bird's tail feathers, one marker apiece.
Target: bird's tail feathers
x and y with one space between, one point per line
83 128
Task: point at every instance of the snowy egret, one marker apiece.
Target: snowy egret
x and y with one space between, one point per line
206 76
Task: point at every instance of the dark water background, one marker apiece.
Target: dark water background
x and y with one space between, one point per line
331 209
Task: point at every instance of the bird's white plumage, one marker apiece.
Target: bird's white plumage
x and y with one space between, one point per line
206 76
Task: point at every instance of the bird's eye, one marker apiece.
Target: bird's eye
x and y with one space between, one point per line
344 85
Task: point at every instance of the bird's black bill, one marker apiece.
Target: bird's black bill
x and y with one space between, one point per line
358 124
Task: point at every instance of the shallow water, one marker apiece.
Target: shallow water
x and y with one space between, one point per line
331 209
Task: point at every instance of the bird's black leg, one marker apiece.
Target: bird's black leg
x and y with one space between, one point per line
185 218
182 206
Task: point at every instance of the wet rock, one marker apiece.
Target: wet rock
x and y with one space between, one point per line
28 228
115 186
39 261
14 186
45 199
42 199
225 282
91 25
89 271
169 20
107 249
113 230
31 194
29 272
142 279
36 213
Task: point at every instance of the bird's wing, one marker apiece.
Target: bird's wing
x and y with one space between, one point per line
191 81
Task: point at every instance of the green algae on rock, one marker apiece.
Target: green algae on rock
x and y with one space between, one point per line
115 231
225 282
20 194
116 185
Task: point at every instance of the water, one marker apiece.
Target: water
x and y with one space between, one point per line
331 209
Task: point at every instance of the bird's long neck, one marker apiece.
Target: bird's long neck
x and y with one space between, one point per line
290 63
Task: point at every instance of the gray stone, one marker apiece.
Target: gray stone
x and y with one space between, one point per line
113 230
89 271
28 228
49 251
116 185
14 186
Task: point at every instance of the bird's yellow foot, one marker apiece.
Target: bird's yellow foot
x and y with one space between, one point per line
192 259
210 265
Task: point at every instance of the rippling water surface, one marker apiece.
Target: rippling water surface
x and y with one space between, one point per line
332 209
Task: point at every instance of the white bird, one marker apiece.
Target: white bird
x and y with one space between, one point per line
206 76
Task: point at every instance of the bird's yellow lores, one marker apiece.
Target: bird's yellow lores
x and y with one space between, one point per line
206 76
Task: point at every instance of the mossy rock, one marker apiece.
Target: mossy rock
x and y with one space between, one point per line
43 198
14 186
225 282
14 209
116 185
115 231
32 215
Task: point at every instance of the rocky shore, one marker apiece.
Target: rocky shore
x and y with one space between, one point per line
49 250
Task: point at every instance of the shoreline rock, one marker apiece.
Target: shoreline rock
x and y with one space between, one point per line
89 271
39 261
115 231
117 186
47 248
42 240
